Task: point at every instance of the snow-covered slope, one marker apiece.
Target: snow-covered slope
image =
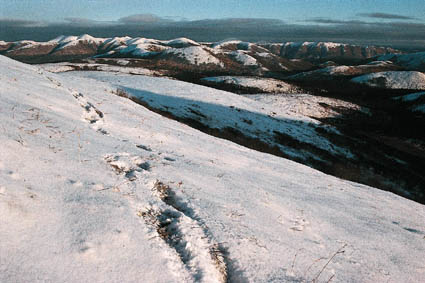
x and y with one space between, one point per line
414 101
244 58
330 72
393 80
331 50
95 188
308 105
261 84
413 61
195 55
224 110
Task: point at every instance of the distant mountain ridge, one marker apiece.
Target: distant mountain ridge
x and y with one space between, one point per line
276 56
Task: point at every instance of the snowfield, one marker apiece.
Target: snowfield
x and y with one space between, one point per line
264 84
393 80
222 110
302 105
415 61
96 188
195 55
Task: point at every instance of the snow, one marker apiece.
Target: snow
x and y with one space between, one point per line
265 84
393 80
380 63
411 97
224 43
195 55
142 40
57 68
243 58
411 61
66 67
326 45
324 73
181 42
415 100
78 203
142 49
32 44
221 110
68 41
330 45
64 39
265 54
302 105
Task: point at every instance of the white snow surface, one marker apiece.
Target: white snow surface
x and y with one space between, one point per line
142 49
74 186
67 41
243 58
224 43
326 45
393 80
181 42
265 84
195 55
67 66
302 105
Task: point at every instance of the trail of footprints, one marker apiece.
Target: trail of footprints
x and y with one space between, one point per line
91 113
175 223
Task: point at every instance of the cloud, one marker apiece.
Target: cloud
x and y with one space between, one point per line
409 26
385 16
142 19
337 22
83 22
399 33
7 23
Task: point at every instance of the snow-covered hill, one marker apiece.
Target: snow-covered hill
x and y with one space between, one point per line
96 188
413 61
331 72
235 53
393 80
331 50
414 101
194 55
260 84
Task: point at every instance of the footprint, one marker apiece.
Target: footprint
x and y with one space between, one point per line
98 187
127 165
77 184
14 175
102 131
299 224
141 146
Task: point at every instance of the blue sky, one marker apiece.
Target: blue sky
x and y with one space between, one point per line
291 11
